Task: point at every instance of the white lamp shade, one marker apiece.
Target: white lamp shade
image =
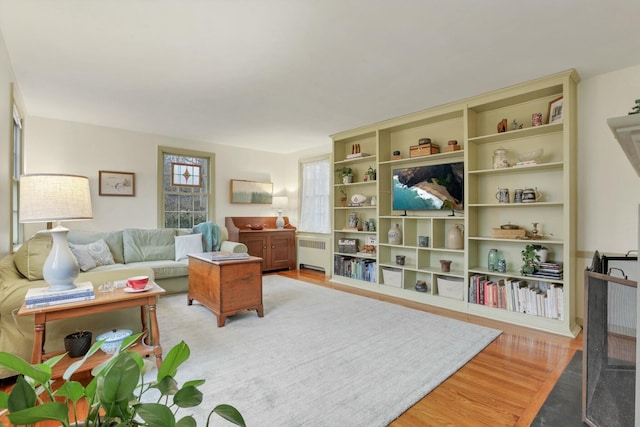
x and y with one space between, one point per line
280 203
50 197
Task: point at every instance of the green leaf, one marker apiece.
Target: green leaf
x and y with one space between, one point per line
22 396
47 411
188 397
4 399
71 390
229 413
187 421
176 357
78 363
156 414
194 383
121 379
40 373
167 386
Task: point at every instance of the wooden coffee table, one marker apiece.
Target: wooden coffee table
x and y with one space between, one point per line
104 302
225 287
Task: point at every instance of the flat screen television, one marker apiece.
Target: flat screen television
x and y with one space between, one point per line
429 187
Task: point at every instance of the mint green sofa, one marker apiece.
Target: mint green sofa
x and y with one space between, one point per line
134 251
152 248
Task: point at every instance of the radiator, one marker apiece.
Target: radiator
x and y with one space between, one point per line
314 252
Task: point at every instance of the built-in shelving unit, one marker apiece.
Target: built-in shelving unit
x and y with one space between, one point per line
473 123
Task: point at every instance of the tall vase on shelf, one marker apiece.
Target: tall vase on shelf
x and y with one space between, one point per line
454 237
395 235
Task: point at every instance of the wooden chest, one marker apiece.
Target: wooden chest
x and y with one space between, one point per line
423 150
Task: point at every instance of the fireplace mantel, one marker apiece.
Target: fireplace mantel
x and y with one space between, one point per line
627 131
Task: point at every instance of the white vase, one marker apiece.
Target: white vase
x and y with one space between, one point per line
395 235
542 255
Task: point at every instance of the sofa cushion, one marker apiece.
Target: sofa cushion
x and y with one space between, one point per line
82 255
98 252
112 238
163 269
148 245
31 256
189 244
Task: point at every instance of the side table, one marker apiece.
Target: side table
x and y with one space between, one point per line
225 287
104 302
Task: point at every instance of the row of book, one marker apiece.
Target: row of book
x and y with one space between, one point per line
538 298
44 297
355 268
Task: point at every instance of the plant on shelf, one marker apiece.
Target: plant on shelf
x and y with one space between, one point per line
346 173
343 195
371 173
113 397
530 258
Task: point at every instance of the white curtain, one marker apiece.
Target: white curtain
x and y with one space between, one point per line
314 197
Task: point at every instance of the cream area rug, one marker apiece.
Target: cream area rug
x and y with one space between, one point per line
319 357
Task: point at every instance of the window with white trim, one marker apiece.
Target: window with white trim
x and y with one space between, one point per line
315 196
17 230
186 184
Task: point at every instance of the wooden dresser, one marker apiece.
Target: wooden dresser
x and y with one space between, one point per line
277 248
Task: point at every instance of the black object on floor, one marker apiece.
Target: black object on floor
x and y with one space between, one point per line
563 406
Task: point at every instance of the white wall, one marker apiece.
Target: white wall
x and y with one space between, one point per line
608 187
68 147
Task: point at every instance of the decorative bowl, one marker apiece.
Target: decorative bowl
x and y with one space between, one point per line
113 339
358 199
255 226
137 282
529 156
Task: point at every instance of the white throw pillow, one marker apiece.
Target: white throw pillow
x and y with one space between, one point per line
189 244
98 251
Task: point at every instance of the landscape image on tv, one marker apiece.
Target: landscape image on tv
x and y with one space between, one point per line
432 187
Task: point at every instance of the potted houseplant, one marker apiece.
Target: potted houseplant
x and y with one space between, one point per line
346 173
113 396
371 173
343 195
532 254
77 344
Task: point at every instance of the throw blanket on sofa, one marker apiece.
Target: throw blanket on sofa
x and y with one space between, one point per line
210 235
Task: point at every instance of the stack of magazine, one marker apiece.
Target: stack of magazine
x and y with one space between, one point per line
44 297
227 256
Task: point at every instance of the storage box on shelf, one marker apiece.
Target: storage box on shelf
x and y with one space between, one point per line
540 158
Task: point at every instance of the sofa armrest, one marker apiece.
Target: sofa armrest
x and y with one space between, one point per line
236 247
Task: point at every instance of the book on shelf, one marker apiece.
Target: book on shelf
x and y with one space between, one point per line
45 294
227 256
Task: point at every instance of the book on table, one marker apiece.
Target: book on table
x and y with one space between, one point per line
227 256
42 297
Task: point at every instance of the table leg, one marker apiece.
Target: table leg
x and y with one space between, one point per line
155 333
39 330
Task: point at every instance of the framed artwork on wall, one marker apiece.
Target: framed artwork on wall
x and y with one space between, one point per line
112 183
242 191
555 111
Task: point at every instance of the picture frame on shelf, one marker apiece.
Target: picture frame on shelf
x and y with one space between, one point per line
113 183
554 113
254 192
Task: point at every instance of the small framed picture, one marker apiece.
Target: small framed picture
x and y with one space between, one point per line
371 240
555 111
112 183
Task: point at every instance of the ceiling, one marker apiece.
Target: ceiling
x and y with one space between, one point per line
282 75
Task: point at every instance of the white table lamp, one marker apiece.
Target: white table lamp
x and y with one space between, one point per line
52 197
280 203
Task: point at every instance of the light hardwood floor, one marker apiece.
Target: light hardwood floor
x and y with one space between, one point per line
504 385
